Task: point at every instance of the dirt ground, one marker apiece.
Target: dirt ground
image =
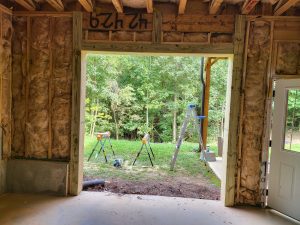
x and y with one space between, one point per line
176 187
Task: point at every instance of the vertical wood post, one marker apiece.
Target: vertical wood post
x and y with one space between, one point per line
1 90
76 158
157 23
206 101
231 138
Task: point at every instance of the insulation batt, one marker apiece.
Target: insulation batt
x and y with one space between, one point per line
5 74
18 86
42 87
254 108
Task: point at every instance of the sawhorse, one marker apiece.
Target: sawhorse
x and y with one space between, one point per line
146 144
100 136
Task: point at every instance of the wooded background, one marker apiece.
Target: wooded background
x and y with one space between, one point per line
131 95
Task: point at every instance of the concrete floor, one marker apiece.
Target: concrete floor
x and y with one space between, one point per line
217 167
100 208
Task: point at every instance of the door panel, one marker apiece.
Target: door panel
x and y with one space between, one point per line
284 183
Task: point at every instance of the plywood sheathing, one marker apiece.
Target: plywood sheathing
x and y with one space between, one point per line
255 94
19 67
5 77
42 77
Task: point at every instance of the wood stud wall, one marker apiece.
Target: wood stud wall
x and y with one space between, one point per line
269 55
5 82
41 86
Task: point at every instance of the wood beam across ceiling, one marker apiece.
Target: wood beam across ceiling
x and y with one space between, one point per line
215 6
27 4
281 8
181 7
87 5
149 6
248 6
56 4
118 5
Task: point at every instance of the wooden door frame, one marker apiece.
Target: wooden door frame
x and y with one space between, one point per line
236 50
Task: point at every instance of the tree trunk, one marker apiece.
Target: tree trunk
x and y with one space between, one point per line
147 116
116 124
94 119
175 119
92 122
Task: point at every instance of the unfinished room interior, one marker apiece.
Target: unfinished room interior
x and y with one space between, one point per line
44 50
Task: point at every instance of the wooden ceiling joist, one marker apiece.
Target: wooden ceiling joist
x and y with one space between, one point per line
248 6
215 6
27 4
87 5
181 7
149 6
284 7
118 5
56 4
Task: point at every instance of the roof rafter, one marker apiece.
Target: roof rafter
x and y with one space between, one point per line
27 4
118 5
284 7
87 5
56 4
215 6
149 6
248 6
181 7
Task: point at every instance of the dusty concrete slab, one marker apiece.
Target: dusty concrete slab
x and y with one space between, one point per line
217 167
34 176
91 208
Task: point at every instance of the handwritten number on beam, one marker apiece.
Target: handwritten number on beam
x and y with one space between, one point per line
94 21
105 23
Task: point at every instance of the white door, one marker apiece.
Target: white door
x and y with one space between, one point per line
284 183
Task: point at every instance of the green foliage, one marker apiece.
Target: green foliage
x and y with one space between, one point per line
131 95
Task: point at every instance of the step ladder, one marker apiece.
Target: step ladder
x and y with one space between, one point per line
190 115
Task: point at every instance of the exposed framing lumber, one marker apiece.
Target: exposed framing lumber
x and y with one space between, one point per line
76 159
56 4
267 123
118 5
1 90
215 6
157 29
210 62
248 6
50 91
27 79
223 48
27 4
182 6
240 135
149 6
283 8
206 100
5 10
87 5
230 152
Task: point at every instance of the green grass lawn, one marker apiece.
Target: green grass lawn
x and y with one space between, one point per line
188 163
294 147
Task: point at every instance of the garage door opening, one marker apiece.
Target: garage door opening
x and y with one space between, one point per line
131 96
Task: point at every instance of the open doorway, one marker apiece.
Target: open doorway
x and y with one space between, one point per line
128 96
